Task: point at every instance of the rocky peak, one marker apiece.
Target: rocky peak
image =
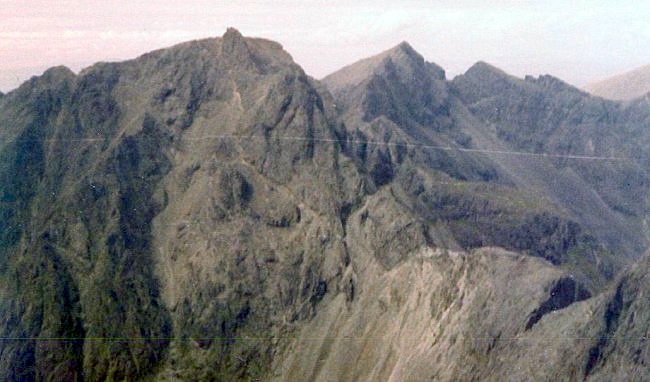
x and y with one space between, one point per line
234 46
485 72
402 60
232 40
256 54
404 87
407 61
58 72
483 80
59 77
404 53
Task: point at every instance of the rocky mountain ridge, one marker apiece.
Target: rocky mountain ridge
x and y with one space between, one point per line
210 212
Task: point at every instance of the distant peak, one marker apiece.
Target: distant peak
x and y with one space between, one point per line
234 44
404 48
60 70
401 57
232 33
404 45
232 36
482 71
57 74
482 67
622 87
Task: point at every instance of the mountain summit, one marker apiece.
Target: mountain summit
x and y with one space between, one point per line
234 45
401 56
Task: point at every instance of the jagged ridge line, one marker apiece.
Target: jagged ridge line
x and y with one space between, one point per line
377 143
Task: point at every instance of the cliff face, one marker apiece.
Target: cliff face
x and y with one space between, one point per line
210 212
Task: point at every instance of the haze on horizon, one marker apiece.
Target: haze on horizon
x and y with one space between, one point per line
577 41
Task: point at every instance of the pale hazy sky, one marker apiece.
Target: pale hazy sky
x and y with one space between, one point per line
578 41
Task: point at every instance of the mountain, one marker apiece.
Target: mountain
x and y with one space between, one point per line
532 141
623 87
210 212
158 209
